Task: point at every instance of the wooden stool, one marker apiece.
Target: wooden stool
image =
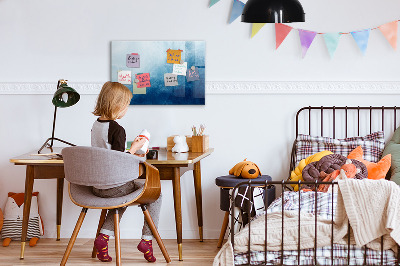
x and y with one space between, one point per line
226 183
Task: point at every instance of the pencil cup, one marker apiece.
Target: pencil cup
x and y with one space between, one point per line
200 143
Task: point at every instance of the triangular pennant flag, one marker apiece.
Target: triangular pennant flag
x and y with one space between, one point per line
281 31
389 30
306 39
361 37
213 2
256 28
237 9
332 41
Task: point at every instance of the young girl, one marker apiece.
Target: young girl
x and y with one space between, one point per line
112 104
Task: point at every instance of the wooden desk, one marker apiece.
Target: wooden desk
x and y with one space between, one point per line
40 167
171 167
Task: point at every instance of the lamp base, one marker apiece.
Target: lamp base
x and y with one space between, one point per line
50 146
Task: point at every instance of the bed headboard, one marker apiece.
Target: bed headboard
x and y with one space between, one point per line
347 115
344 121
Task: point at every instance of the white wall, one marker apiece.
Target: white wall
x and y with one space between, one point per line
42 41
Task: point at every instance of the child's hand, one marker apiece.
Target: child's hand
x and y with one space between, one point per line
137 144
142 155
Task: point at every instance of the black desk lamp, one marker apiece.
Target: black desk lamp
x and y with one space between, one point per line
272 11
65 96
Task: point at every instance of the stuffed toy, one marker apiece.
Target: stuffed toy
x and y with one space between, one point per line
13 215
245 169
180 144
296 174
375 170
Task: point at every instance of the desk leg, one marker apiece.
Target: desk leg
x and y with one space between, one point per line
27 206
197 189
176 182
60 190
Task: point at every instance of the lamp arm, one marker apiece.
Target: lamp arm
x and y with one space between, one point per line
54 126
54 118
46 143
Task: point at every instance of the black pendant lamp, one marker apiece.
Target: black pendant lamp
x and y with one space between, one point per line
273 11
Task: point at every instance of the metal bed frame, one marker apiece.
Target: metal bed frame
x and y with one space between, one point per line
283 184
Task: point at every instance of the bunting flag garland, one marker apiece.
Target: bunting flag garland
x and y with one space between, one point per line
213 2
256 27
306 39
361 37
237 9
281 31
389 30
332 41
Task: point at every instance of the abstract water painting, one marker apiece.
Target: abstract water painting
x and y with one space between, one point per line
160 72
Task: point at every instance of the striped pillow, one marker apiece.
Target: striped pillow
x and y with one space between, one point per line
372 145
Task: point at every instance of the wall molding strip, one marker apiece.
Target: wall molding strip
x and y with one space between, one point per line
232 87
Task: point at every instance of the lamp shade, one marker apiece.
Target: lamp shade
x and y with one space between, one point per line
273 11
65 96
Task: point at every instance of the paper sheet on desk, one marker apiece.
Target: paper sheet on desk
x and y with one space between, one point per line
53 155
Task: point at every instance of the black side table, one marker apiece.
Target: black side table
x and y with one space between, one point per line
228 182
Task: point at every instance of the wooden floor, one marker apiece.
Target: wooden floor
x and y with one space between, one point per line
50 252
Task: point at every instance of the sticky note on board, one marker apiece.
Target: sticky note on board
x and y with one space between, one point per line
136 90
125 77
170 79
144 80
192 74
133 60
174 56
180 69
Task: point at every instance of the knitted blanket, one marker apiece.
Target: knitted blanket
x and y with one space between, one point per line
371 207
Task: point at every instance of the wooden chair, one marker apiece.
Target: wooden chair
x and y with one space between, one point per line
85 167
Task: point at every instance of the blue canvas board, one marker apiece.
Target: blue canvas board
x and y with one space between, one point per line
153 60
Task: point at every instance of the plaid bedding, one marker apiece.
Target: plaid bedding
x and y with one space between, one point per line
324 257
372 145
306 202
323 207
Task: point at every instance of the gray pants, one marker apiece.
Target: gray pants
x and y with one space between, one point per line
154 208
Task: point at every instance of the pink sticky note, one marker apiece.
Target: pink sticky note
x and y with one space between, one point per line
144 80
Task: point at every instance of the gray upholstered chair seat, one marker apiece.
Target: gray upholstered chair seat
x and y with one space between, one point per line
83 196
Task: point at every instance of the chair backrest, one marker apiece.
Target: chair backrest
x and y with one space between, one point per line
92 166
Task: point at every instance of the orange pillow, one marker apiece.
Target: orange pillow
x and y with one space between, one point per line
375 170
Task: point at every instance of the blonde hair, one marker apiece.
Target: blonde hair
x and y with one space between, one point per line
112 99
